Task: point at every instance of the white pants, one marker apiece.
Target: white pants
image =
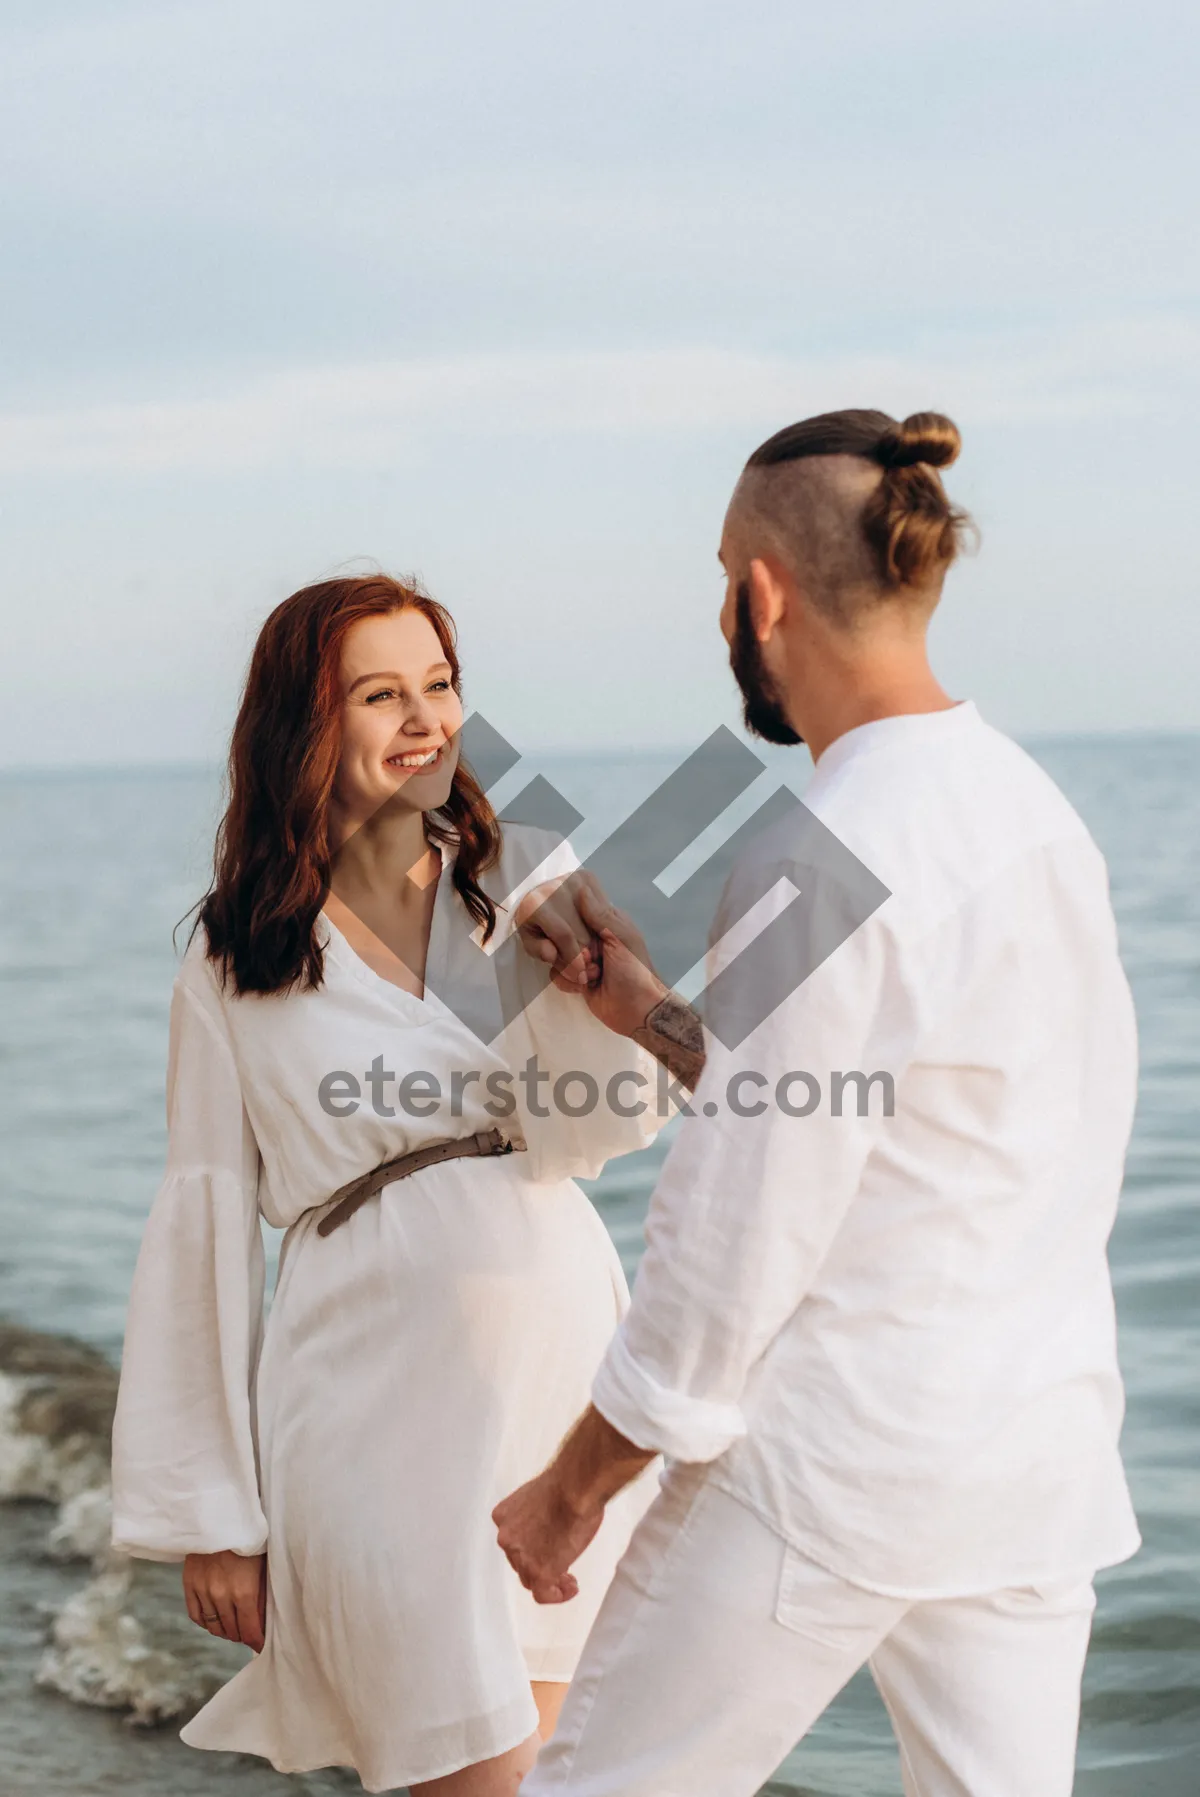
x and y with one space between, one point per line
718 1646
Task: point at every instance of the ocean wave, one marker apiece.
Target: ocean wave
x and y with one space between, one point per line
123 1640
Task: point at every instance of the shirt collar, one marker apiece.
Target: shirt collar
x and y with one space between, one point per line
906 727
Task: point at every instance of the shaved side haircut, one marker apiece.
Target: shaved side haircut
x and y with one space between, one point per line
854 507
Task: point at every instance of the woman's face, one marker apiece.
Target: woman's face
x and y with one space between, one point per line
400 716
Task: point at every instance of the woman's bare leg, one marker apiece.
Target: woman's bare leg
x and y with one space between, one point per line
498 1777
549 1701
501 1776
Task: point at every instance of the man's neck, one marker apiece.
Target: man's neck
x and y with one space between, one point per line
839 692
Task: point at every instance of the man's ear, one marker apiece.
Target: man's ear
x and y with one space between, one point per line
768 584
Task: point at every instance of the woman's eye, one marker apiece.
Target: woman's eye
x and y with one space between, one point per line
384 694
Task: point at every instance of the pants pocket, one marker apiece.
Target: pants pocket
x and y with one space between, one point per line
1057 1597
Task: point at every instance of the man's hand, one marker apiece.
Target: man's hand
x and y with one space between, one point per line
625 988
596 950
545 1526
593 948
226 1594
543 1537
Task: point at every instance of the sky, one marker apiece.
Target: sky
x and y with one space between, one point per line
504 297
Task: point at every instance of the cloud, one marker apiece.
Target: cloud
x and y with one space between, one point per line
369 413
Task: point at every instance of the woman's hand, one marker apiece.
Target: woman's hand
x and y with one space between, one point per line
551 930
592 948
226 1594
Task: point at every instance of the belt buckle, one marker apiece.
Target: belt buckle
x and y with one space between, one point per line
498 1142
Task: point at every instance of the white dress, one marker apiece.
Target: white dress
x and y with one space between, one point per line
418 1363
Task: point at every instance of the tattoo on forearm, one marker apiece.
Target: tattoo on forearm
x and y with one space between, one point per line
673 1034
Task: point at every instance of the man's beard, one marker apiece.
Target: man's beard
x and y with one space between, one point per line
762 706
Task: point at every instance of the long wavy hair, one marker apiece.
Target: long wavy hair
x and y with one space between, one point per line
272 861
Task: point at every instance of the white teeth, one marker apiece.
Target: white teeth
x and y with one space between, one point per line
413 760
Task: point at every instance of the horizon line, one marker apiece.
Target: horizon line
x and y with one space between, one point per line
198 764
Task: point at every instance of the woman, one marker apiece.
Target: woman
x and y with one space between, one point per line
429 1342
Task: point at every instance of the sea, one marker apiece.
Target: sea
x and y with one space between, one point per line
98 867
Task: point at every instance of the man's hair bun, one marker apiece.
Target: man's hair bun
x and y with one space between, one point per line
913 530
928 437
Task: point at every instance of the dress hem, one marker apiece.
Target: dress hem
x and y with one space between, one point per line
398 1782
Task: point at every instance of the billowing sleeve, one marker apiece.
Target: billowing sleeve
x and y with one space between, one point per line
184 1453
584 1095
752 1195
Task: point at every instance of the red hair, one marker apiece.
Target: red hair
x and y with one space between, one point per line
272 862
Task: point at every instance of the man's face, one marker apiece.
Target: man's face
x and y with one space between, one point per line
762 704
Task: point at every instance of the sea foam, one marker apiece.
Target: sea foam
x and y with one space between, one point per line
123 1641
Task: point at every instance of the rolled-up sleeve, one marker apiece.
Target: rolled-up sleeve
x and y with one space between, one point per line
185 1476
748 1205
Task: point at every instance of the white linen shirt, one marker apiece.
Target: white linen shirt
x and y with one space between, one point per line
894 1335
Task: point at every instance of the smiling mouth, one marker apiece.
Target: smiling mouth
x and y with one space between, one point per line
417 763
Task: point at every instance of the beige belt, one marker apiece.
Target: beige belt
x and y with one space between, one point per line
348 1198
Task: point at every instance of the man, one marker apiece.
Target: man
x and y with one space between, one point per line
873 1334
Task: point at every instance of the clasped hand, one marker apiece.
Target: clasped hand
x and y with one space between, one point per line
592 948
